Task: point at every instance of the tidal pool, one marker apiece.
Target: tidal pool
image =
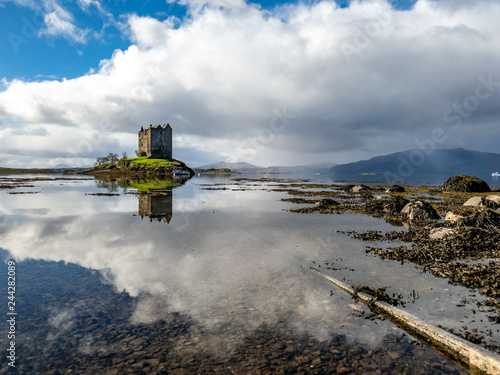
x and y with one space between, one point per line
209 275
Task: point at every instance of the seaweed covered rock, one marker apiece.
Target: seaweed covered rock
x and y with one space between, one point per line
484 218
360 189
494 198
480 202
419 211
395 205
466 184
327 202
395 189
441 233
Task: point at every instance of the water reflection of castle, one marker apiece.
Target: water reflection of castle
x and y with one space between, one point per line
156 205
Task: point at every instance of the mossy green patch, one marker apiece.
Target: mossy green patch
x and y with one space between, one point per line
106 166
144 162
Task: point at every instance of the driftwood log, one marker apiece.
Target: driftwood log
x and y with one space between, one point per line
444 342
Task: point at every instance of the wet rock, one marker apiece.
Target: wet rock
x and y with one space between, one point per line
327 202
395 205
360 188
365 196
480 202
137 342
117 360
467 184
180 371
343 370
483 218
494 198
419 211
453 218
153 362
316 362
301 360
441 233
395 189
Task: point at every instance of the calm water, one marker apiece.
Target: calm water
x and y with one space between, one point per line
204 276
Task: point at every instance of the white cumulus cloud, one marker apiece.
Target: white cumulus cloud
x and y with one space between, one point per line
309 81
60 22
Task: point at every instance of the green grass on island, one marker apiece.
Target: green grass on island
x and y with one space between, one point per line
106 166
142 162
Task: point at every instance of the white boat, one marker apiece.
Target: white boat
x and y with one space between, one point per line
495 174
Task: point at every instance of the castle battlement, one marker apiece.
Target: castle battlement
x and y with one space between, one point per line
156 141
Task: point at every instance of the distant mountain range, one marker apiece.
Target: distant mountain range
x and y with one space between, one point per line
232 166
65 166
244 167
416 163
397 166
61 166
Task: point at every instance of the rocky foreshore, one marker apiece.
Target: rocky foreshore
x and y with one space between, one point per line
450 231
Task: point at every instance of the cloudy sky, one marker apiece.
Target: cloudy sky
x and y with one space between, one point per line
267 82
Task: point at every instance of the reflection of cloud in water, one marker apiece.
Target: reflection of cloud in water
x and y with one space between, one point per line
33 211
226 278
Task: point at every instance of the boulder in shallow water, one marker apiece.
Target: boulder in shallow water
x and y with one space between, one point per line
360 188
480 202
395 189
326 202
494 198
466 184
419 211
395 205
483 218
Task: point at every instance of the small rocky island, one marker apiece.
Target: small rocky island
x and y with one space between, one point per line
154 157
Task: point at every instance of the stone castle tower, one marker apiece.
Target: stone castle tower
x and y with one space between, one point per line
156 141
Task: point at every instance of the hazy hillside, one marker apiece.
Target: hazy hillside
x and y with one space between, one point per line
61 166
418 163
232 166
244 167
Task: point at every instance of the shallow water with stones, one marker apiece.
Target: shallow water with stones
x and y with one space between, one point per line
209 277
